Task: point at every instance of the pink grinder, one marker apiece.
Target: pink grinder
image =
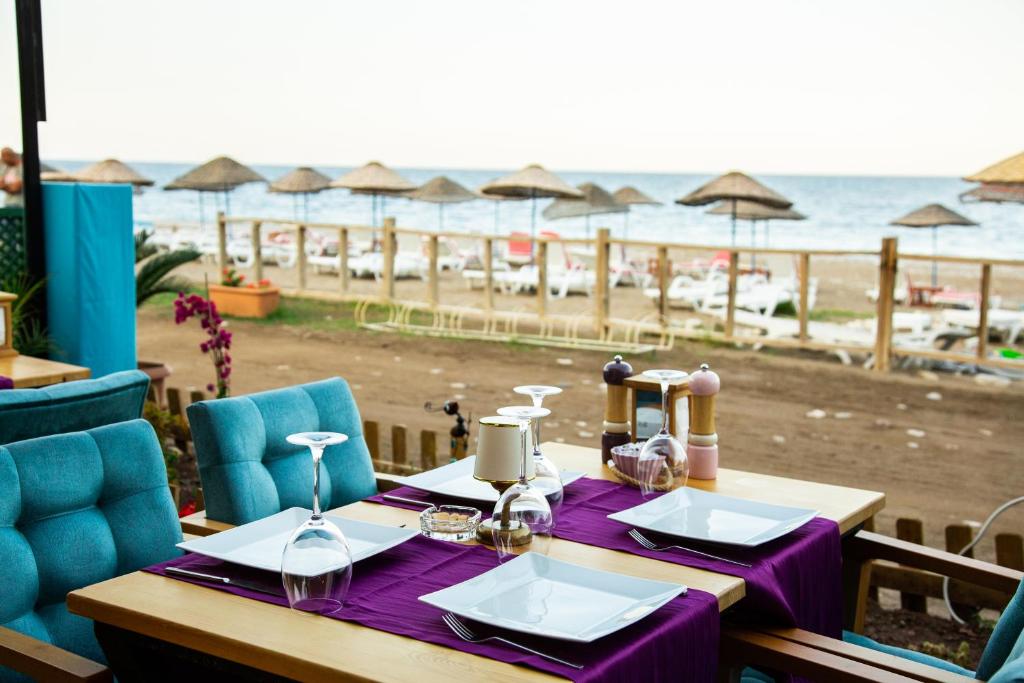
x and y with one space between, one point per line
702 441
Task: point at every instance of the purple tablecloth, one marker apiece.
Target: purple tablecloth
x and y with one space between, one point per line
795 581
677 642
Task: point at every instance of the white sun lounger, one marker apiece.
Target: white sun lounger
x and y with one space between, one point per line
1007 323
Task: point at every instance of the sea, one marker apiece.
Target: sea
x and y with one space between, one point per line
843 212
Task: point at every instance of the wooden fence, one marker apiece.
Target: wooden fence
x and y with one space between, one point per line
915 586
601 322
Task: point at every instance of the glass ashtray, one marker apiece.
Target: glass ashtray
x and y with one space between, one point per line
450 522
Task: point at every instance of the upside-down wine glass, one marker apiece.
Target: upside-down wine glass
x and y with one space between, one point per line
316 567
522 520
662 464
546 473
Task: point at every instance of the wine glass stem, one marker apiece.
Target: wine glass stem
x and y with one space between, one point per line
318 454
536 436
664 406
522 441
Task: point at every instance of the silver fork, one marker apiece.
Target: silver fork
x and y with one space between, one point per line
650 545
462 631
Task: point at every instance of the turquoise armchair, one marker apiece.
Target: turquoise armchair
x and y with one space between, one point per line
857 658
75 509
72 406
249 471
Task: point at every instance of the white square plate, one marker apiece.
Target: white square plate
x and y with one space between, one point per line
703 516
260 544
544 597
456 480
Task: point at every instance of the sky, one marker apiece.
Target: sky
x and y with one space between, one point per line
874 87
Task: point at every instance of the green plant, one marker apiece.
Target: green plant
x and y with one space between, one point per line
30 336
153 269
173 433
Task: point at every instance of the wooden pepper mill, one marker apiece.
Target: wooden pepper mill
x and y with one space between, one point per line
702 441
616 407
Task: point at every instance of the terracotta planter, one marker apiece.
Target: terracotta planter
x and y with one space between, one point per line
246 302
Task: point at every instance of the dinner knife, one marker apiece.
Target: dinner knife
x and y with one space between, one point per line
222 580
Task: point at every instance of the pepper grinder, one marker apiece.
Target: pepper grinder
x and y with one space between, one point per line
616 411
702 441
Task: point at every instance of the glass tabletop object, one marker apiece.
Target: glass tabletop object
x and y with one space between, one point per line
316 565
537 392
547 476
662 464
522 520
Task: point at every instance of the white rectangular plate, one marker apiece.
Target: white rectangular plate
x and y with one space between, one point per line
703 516
544 597
260 544
456 480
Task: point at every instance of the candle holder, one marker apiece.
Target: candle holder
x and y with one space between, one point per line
522 520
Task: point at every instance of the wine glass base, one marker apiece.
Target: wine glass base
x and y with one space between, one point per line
510 537
318 605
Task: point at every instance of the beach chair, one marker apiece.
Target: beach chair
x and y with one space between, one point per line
79 508
519 249
858 658
1009 324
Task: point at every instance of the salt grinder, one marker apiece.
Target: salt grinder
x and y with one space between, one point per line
616 411
702 441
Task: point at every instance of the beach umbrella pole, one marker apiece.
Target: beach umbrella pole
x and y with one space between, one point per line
753 244
935 253
440 216
533 220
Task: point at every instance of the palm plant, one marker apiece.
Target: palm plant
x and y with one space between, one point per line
29 334
152 275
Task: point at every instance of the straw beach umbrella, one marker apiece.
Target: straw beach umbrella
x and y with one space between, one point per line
222 174
54 174
376 180
532 182
754 212
301 181
1006 171
734 187
441 190
114 172
630 196
933 216
595 201
995 192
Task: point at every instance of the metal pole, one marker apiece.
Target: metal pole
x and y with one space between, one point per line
753 243
33 110
734 222
935 252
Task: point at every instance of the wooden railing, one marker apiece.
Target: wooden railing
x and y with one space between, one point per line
888 257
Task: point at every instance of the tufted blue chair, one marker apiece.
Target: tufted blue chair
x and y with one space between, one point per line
76 509
249 471
72 406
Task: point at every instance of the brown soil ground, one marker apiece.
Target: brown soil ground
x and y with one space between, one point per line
937 636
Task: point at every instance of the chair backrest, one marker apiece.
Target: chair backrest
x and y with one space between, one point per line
76 509
520 244
1005 647
72 406
249 471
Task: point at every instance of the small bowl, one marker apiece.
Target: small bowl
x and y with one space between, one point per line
450 522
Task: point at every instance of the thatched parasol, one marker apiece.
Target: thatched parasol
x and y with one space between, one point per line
376 180
222 174
531 182
301 181
933 216
441 190
54 174
112 171
754 212
1006 171
596 201
630 196
734 187
995 192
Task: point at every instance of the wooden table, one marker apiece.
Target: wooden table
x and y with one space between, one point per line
27 371
308 647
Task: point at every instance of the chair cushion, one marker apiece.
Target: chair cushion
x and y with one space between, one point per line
249 471
76 509
72 406
752 675
911 655
1006 635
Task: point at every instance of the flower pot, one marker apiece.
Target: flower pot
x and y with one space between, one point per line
157 372
245 302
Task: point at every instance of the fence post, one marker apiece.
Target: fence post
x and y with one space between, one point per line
222 241
428 449
663 268
911 530
300 255
602 266
433 285
343 259
730 308
1010 551
399 454
986 286
805 270
542 277
372 438
257 251
488 274
886 284
390 242
958 536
